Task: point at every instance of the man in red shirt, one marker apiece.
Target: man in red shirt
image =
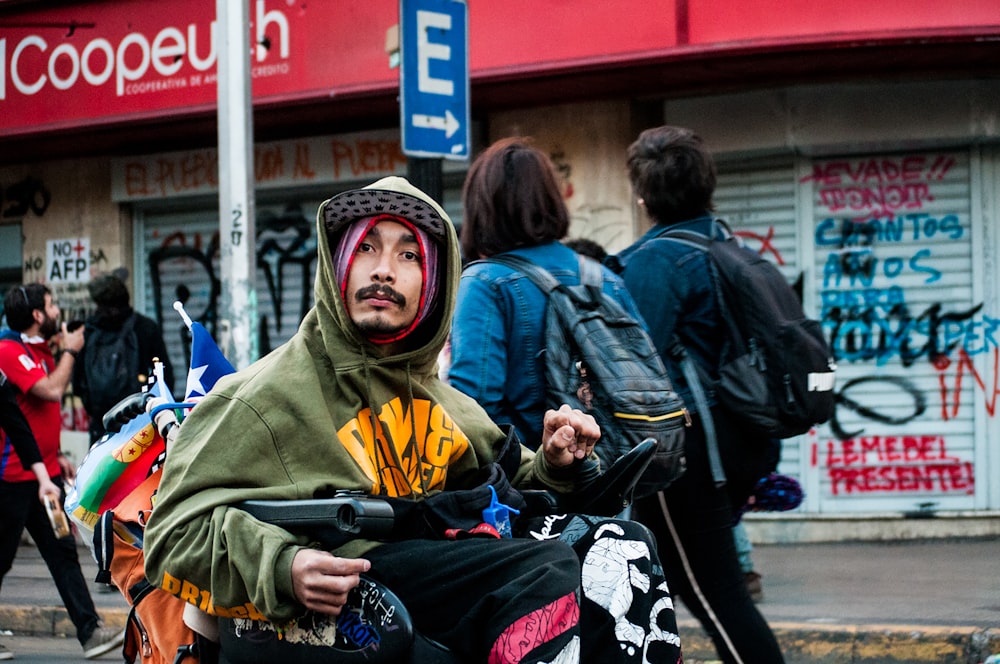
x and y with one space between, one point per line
27 361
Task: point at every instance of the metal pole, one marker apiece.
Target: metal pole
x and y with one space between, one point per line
237 244
426 174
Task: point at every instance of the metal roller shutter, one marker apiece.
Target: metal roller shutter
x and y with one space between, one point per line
894 275
180 261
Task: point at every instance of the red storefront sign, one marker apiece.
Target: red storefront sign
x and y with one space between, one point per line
109 61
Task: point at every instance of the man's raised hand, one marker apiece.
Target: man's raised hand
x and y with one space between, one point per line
568 434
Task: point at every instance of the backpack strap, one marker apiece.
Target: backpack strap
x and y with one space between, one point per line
11 335
590 274
104 546
693 377
694 374
696 238
538 275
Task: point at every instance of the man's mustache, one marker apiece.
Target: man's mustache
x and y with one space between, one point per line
382 292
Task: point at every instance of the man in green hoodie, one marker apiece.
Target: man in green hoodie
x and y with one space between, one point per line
353 401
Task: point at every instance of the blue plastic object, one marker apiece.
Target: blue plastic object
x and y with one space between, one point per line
498 515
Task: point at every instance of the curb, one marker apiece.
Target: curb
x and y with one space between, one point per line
800 642
51 620
862 644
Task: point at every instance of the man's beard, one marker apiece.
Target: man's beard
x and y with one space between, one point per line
379 325
48 328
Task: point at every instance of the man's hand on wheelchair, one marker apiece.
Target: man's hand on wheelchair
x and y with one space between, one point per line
322 581
568 435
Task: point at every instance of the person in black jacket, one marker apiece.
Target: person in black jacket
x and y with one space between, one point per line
17 433
673 176
115 316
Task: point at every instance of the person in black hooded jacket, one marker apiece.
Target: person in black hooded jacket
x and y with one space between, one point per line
115 316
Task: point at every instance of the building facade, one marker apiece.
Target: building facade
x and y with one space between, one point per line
857 149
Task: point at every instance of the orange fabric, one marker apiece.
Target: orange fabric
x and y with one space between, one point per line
157 630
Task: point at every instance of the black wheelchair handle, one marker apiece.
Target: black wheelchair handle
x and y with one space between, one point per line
611 491
125 411
330 521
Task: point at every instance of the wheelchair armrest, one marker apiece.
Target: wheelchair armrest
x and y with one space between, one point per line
603 494
541 501
331 521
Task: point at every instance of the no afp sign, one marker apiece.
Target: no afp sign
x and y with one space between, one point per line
68 260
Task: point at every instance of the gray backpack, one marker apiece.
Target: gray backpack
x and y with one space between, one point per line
599 358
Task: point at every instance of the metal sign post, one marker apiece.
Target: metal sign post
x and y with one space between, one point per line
237 237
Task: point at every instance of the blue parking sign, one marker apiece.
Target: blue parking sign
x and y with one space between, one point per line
434 78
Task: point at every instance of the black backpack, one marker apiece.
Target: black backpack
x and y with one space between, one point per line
776 372
111 366
600 359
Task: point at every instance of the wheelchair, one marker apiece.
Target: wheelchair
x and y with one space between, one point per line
374 626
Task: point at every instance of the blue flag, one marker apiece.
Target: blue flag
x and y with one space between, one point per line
208 364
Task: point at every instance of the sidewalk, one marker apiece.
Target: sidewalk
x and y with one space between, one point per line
843 603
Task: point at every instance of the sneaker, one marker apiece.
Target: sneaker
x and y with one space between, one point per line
754 586
102 640
104 588
5 652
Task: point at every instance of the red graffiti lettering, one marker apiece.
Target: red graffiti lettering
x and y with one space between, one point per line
366 156
878 186
886 450
957 477
876 200
962 365
899 464
302 169
866 171
269 163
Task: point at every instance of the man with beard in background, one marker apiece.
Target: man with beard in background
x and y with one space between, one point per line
40 379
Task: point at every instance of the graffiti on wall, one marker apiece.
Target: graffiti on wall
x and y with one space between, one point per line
882 242
22 197
65 270
185 267
281 164
605 223
895 464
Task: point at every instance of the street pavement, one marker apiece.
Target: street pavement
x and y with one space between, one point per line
838 603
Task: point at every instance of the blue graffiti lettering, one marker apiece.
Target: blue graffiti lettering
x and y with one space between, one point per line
862 334
854 233
917 267
885 298
861 267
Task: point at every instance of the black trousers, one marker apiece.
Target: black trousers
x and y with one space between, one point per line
580 588
20 509
693 521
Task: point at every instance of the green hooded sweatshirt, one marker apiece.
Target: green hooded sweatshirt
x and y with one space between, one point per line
298 424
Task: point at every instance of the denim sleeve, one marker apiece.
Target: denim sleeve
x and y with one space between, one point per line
479 346
658 289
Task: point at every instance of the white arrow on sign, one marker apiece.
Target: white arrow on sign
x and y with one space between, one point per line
448 123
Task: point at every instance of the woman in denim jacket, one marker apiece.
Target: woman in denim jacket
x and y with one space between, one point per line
674 177
512 204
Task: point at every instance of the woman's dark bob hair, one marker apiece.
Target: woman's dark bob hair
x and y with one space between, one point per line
511 199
